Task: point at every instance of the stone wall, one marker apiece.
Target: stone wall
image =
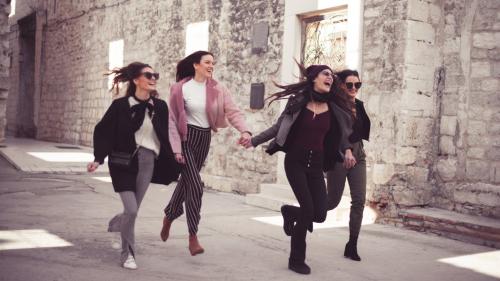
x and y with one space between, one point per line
430 70
432 93
4 64
75 56
468 164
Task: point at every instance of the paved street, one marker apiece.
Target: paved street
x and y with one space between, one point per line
53 227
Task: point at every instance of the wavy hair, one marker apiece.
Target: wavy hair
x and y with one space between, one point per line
305 86
185 67
127 74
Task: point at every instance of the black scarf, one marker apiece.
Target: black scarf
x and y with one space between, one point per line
319 97
138 112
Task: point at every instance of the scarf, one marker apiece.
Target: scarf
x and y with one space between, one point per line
138 112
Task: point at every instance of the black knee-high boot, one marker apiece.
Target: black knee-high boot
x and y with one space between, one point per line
351 249
296 262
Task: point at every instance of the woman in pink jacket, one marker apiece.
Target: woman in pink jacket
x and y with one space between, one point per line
198 104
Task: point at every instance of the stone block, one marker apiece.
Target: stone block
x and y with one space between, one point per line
382 173
486 40
476 128
388 154
476 153
406 155
449 104
447 169
419 53
418 10
416 100
372 12
417 176
420 31
451 45
494 128
477 170
490 85
496 177
447 145
448 125
477 53
411 197
436 13
480 69
494 54
496 69
419 72
414 131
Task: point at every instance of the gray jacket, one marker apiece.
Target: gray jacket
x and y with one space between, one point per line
340 130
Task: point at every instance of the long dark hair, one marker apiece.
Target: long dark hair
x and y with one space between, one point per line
346 73
128 74
185 67
342 75
304 87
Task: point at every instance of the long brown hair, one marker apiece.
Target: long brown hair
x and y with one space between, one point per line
128 74
305 86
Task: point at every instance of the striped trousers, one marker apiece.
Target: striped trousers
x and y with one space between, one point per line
189 189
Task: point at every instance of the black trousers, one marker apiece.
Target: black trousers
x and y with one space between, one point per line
305 174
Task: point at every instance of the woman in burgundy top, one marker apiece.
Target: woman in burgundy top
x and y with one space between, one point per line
311 130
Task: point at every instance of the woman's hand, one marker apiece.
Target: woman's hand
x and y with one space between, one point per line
349 160
245 140
92 166
179 158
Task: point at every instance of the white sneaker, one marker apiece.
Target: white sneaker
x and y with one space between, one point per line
130 263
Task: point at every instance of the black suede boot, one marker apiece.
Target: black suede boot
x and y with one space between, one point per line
287 220
351 249
299 267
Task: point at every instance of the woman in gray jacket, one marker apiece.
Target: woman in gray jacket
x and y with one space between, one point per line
311 131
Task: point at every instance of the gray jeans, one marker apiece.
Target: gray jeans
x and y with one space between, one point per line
125 222
357 183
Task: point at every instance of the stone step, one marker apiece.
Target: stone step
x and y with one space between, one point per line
268 201
467 228
277 190
272 196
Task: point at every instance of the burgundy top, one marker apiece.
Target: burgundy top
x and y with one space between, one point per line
308 132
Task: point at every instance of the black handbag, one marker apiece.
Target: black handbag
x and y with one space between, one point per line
122 159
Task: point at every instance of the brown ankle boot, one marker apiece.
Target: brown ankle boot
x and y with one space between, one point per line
194 246
165 230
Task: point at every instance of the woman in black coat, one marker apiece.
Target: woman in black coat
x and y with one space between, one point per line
352 167
311 131
133 134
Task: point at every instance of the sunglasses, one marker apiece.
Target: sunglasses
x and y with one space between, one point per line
150 75
350 85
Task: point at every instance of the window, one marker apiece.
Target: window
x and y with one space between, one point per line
115 57
325 38
12 8
196 37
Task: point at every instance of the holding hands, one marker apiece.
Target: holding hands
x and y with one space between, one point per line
245 140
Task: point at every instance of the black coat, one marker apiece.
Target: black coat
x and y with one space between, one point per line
361 113
115 133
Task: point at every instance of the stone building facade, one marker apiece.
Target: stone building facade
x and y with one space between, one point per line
4 64
430 70
432 88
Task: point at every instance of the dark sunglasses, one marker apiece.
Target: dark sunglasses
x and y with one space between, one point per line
150 75
350 85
